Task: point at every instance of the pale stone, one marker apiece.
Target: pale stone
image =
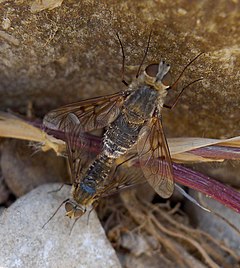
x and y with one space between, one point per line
24 243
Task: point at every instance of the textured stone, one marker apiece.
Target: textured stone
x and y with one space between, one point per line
1 210
4 191
74 54
23 242
24 168
214 225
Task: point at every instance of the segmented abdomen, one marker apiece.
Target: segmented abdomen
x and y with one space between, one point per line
123 133
120 137
96 173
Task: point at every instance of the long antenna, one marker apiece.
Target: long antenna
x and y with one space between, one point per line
145 54
184 69
63 202
123 60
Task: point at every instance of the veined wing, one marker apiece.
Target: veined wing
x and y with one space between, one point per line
78 145
154 158
122 177
92 113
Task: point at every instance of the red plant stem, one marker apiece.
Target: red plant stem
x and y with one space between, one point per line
208 186
187 177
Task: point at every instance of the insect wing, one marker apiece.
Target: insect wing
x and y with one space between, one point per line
93 113
123 177
77 147
154 158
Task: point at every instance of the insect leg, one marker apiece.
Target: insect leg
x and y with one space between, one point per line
179 95
59 189
123 162
94 205
70 232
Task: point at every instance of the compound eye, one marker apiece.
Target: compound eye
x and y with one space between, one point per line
167 79
78 213
69 207
152 70
73 211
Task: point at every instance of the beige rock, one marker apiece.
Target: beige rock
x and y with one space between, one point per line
23 242
71 52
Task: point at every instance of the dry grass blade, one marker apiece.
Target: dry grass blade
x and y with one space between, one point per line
180 148
14 127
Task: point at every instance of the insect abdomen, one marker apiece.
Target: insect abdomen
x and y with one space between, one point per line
123 133
96 173
119 137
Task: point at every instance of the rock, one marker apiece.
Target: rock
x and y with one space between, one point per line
24 168
23 242
1 210
214 225
4 191
74 54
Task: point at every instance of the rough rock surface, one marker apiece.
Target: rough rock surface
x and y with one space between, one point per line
23 242
4 191
24 168
214 225
1 210
54 52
